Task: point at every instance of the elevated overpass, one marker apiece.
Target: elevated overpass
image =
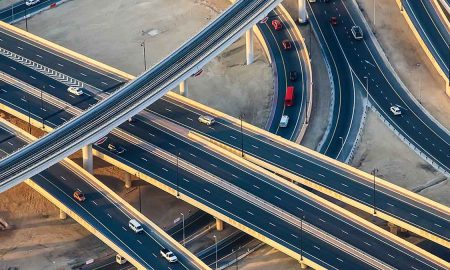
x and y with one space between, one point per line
297 156
145 158
103 213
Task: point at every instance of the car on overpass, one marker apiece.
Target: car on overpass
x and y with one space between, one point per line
395 110
286 44
31 2
357 32
206 119
168 255
277 25
75 90
79 196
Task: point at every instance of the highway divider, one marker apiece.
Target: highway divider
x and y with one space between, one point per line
235 155
424 46
441 13
297 179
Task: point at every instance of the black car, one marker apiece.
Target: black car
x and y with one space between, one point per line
293 76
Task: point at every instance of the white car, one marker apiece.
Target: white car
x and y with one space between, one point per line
357 32
168 255
395 110
75 90
206 119
284 121
31 2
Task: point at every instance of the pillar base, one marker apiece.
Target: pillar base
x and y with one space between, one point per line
128 182
393 228
62 214
88 159
303 265
219 225
250 56
184 88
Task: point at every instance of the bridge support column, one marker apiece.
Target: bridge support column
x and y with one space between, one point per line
128 182
447 90
88 159
62 214
393 228
184 88
302 15
249 46
303 265
219 225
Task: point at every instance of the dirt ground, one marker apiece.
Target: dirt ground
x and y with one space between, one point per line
379 147
112 32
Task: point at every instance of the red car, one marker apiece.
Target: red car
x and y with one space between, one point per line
286 44
277 25
79 196
333 20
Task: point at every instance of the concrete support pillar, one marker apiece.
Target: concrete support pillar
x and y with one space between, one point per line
128 182
184 88
303 265
219 225
302 15
249 46
62 214
88 159
447 90
393 228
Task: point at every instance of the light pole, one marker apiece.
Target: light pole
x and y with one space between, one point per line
374 15
26 19
184 236
374 172
178 193
42 108
215 240
140 201
145 57
12 11
342 141
237 257
302 217
418 65
242 136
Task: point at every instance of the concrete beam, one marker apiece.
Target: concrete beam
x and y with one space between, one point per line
128 182
219 225
62 214
302 15
249 46
88 160
184 88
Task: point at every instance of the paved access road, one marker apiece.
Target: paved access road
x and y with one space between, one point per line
432 30
99 210
20 10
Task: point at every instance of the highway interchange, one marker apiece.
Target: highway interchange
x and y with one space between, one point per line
228 133
153 134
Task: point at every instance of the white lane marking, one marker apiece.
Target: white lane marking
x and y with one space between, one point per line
190 119
24 100
412 214
344 185
214 165
83 74
109 215
271 224
390 256
390 204
51 86
20 48
34 78
367 244
139 242
316 247
171 144
124 228
164 169
344 231
192 155
298 165
278 198
63 178
104 83
250 213
10 143
94 202
232 137
61 65
277 156
13 67
39 56
321 175
293 235
169 110
228 202
186 180
254 146
144 159
154 255
437 225
368 195
339 259
255 186
322 220
207 190
153 135
234 176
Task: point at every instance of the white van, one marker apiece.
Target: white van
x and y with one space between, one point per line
135 226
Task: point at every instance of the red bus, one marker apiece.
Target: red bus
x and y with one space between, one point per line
289 98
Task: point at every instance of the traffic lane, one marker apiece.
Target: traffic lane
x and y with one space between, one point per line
45 83
97 210
433 32
225 248
192 225
105 211
294 63
14 8
364 65
272 193
58 62
229 204
317 171
32 106
344 107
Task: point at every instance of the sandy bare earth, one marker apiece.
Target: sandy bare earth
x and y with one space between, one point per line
112 31
379 147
